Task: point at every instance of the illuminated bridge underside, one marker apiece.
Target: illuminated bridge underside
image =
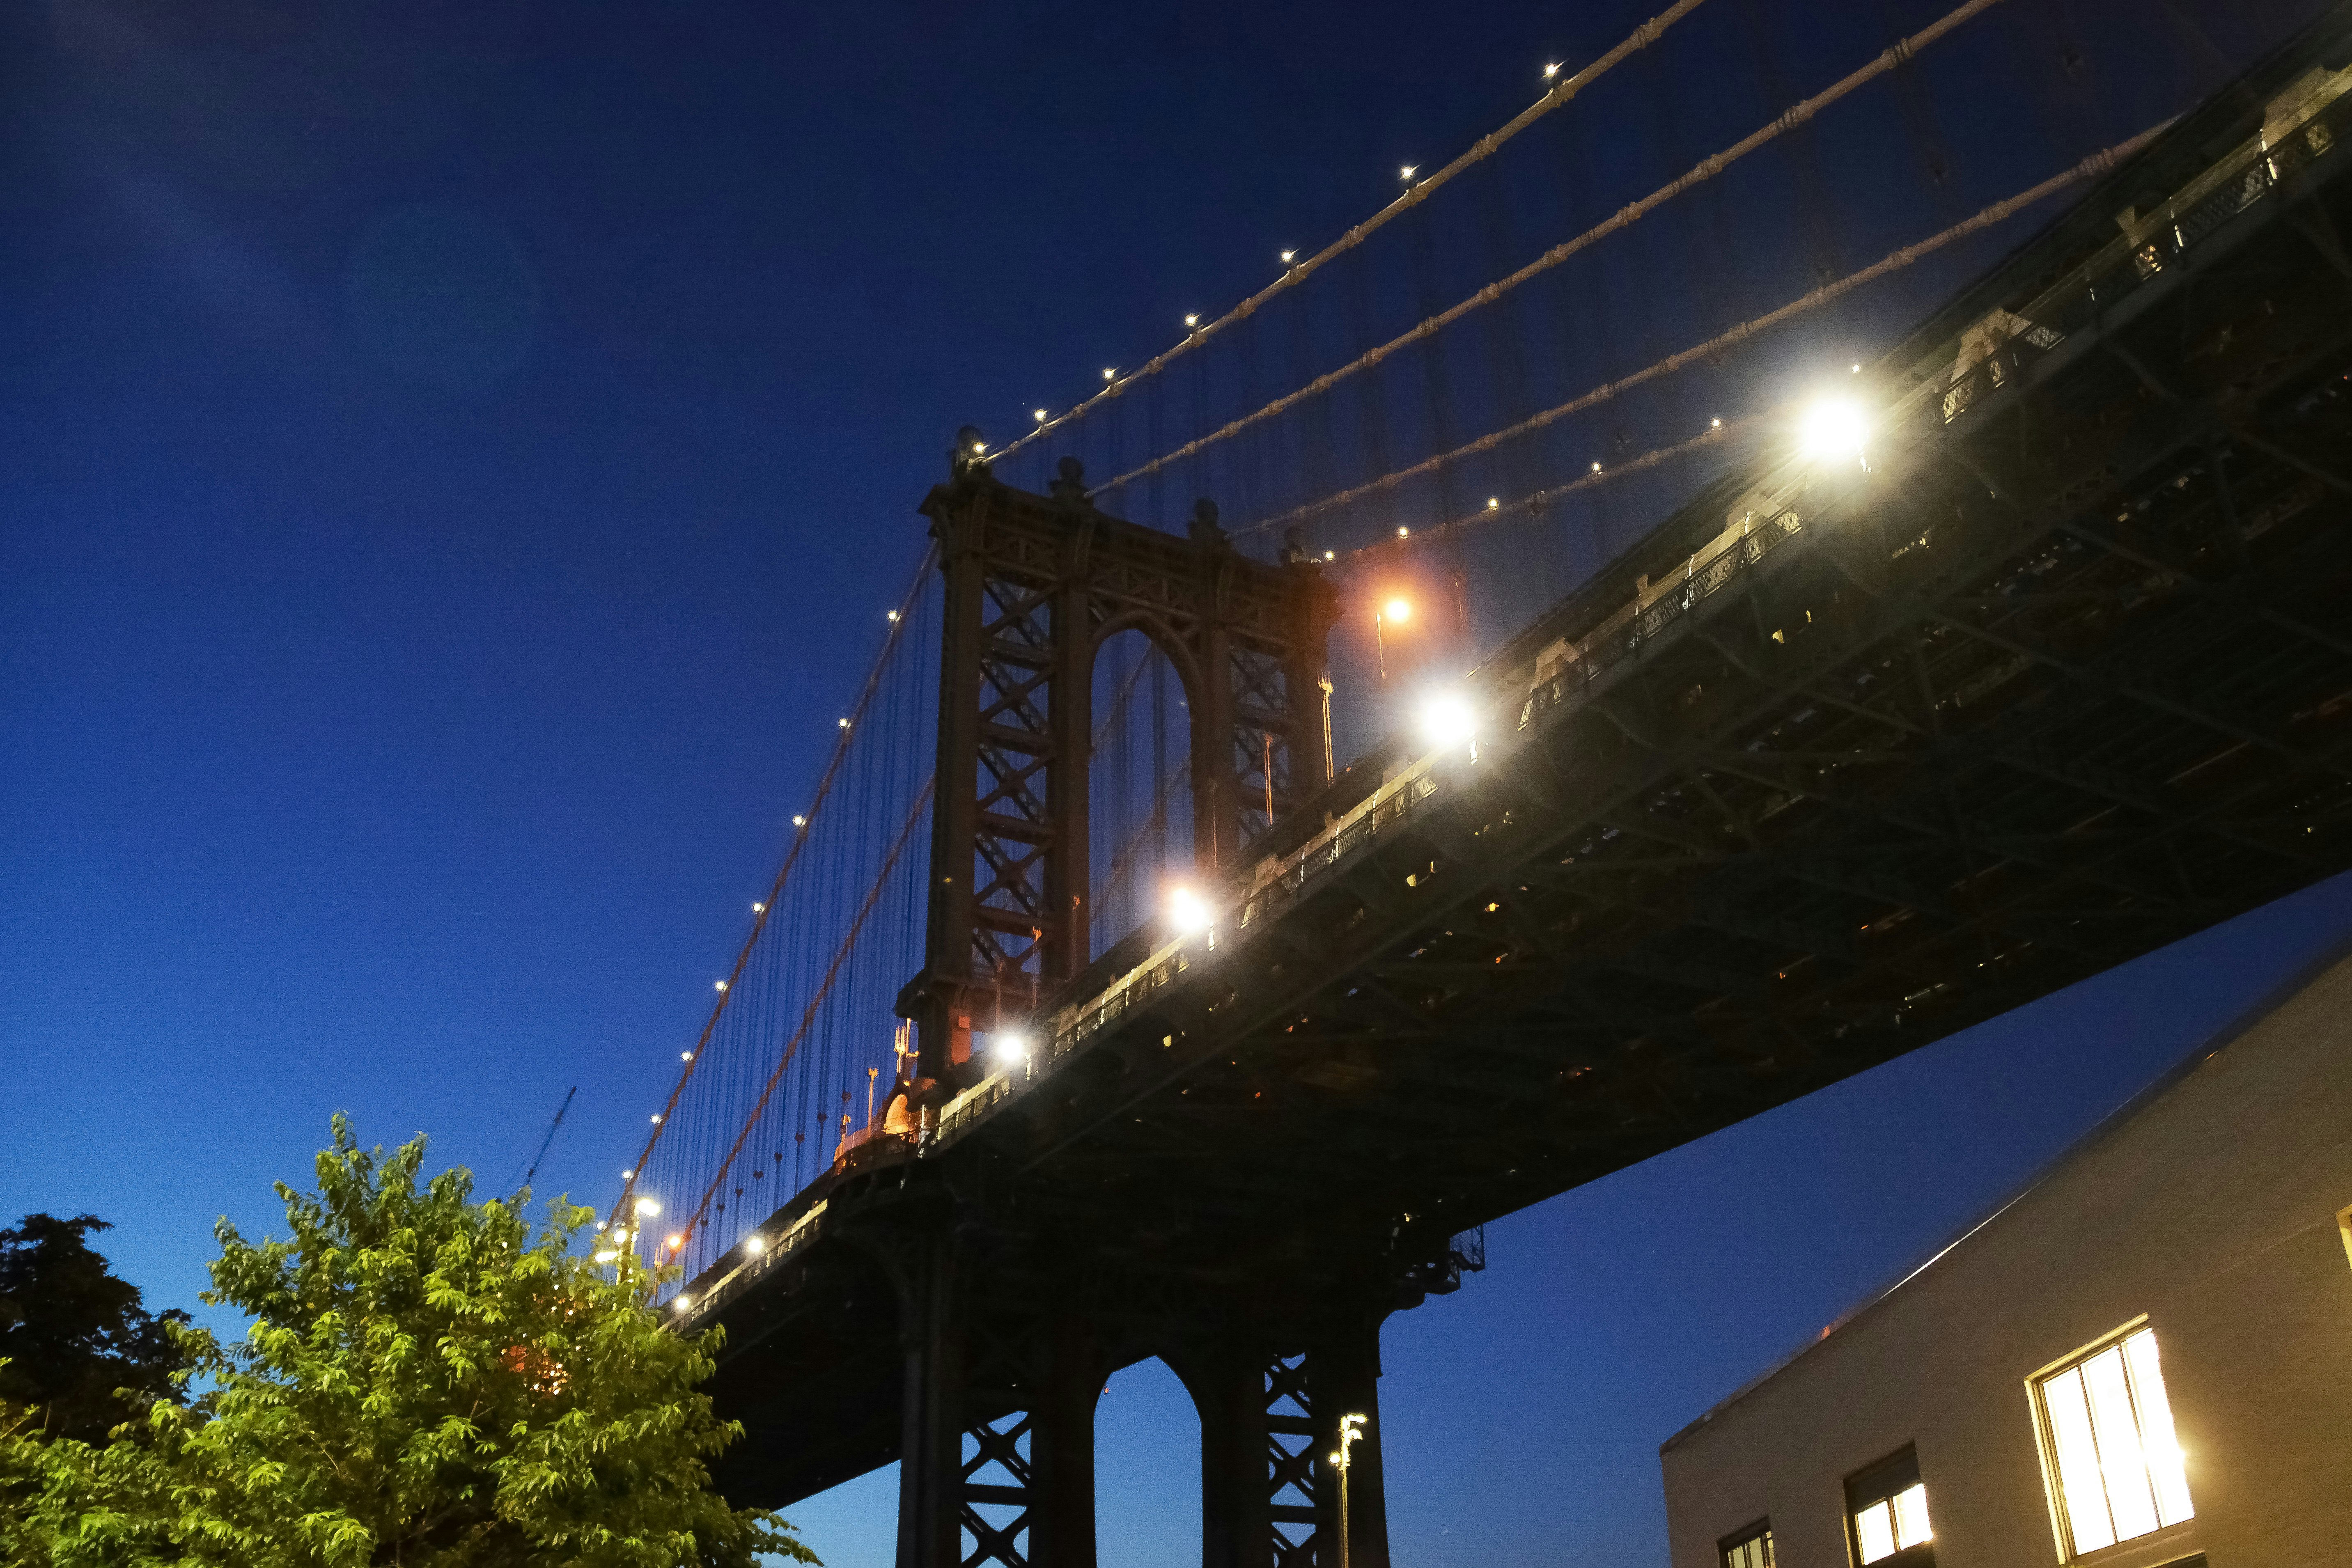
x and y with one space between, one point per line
2067 678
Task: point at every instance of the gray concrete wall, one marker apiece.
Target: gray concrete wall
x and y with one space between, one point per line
2213 1208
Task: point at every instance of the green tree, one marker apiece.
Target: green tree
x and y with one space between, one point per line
426 1384
74 1339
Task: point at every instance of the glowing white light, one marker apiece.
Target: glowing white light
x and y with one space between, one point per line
1109 374
1406 173
1596 467
758 909
890 615
682 1056
656 1115
1287 256
1714 424
606 1256
1492 503
647 1206
680 1305
675 1240
627 1175
1041 416
722 985
978 448
1550 71
1190 320
1330 555
1188 912
1833 428
1397 611
1448 721
754 1244
799 822
843 722
1011 1045
1857 370
1403 532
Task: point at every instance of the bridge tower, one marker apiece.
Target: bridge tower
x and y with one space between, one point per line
1001 1365
1035 585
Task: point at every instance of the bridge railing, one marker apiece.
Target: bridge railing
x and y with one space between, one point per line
2300 127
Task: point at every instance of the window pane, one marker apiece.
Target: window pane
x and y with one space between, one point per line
2079 1487
2120 1461
1911 1516
2164 1462
1873 1531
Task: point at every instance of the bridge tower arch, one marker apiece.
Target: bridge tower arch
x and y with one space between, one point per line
1034 585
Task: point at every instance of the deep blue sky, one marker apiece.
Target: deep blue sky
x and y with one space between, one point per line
400 701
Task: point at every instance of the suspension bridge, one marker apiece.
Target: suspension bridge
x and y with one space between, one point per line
1206 922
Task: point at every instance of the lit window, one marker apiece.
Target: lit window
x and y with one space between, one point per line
2108 1433
1887 1507
1748 1548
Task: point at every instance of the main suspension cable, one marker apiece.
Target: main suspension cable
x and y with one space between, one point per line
808 1015
1622 218
1648 33
851 728
2097 163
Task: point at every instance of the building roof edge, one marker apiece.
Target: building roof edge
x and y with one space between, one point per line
2210 1046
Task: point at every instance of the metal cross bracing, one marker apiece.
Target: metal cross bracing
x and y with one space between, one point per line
1838 760
1034 585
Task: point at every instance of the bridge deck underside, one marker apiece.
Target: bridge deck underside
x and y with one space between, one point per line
2067 682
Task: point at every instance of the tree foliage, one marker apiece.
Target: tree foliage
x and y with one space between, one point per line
426 1384
74 1338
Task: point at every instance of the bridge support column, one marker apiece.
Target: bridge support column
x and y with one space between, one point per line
1343 1374
1269 1419
997 1460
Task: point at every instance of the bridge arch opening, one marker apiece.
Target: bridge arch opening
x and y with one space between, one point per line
1147 1470
1138 783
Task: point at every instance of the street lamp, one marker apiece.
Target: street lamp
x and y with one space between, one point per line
1351 1432
1395 613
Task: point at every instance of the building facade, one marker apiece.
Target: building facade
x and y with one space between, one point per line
2143 1359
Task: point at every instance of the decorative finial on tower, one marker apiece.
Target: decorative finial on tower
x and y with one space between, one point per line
970 456
1204 530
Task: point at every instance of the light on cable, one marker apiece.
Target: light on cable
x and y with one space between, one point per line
1011 1047
1109 374
754 1244
1287 256
1550 71
1192 320
758 909
647 1206
1407 172
1041 416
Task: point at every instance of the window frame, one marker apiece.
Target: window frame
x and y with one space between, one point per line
1761 1530
2053 1492
1918 1551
